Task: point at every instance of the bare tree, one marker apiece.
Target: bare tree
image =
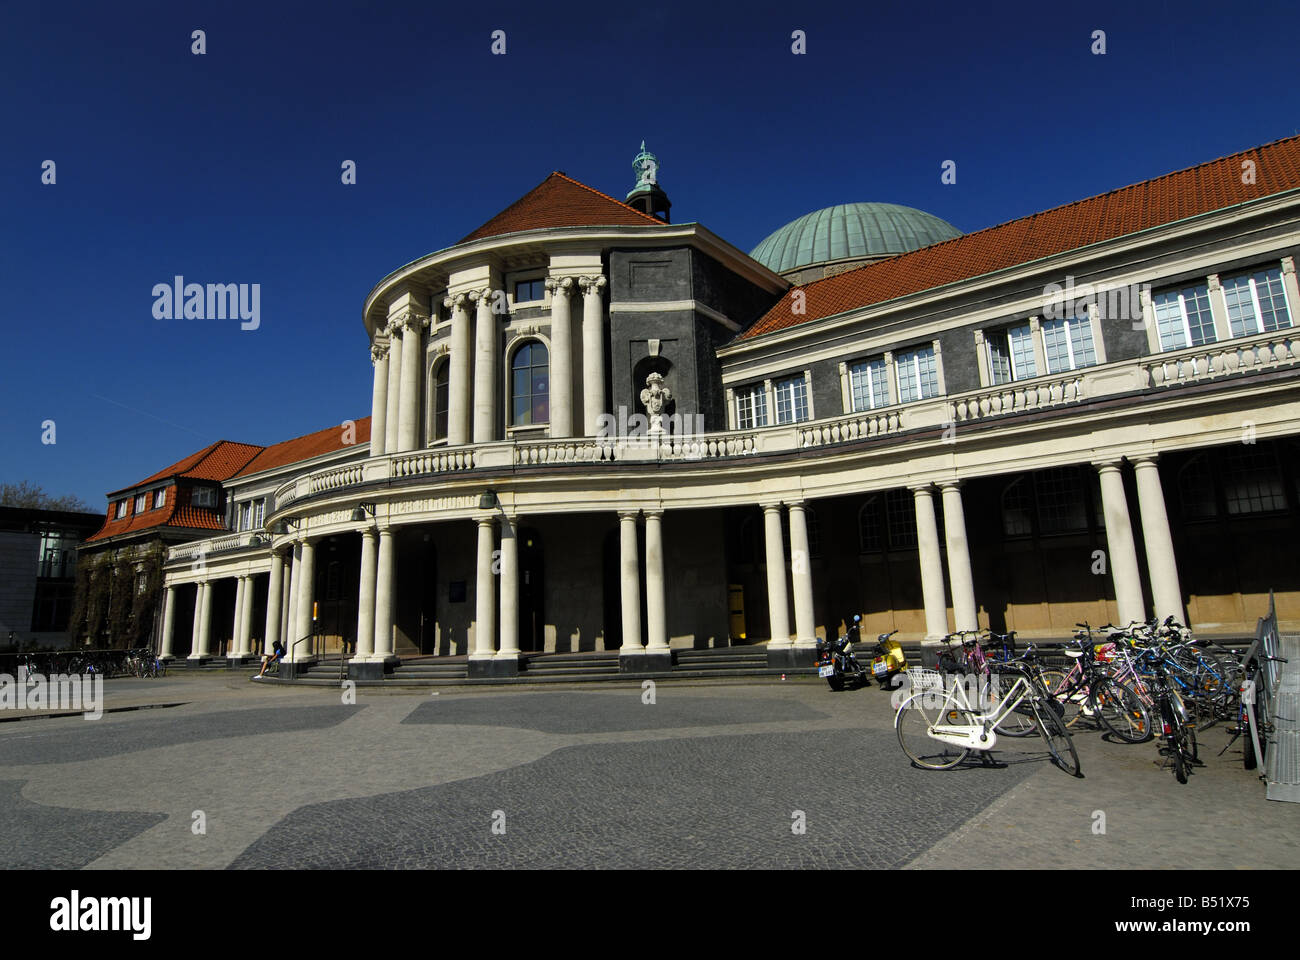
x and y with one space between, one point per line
29 496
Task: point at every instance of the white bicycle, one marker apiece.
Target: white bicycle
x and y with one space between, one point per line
938 728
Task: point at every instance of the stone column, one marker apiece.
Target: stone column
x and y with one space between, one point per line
409 392
509 589
460 404
304 576
391 414
927 548
629 568
205 622
274 598
366 596
168 624
246 619
233 649
593 352
196 625
561 356
656 614
485 601
384 568
1161 562
778 602
1120 546
379 399
290 597
485 368
965 612
805 628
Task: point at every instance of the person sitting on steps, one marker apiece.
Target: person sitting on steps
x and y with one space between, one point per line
275 657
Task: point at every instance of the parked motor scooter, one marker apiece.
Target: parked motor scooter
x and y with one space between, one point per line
890 660
836 662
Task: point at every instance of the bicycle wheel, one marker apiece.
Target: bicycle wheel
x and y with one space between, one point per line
1176 755
1121 710
913 721
1058 740
1057 684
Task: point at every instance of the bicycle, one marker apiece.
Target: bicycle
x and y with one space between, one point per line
1177 728
940 736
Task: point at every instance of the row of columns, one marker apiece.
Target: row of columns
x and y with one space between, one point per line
201 637
1122 550
656 626
473 412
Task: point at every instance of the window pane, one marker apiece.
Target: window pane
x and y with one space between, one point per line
1022 352
1016 506
999 356
1241 307
900 507
1252 483
791 400
1085 355
1200 321
1055 346
1272 300
1061 505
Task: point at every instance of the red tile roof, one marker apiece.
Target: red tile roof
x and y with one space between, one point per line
1175 196
217 462
309 446
560 201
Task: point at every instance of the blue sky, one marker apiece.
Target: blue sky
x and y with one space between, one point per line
226 167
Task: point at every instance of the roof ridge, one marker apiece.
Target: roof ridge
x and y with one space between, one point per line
1040 213
579 183
312 433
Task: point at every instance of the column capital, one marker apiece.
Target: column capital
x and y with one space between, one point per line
482 297
656 512
1288 266
1144 459
560 286
378 352
796 505
592 286
770 505
951 483
1107 466
408 320
458 301
921 488
369 530
486 520
629 514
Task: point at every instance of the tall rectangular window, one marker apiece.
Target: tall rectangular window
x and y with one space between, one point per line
1067 342
918 375
868 386
121 509
1011 354
141 502
751 407
159 498
259 506
1256 303
1183 317
791 400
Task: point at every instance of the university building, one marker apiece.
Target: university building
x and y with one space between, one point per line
595 429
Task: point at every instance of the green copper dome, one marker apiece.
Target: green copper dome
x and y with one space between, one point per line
850 231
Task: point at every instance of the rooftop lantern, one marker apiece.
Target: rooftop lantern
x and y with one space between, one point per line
646 196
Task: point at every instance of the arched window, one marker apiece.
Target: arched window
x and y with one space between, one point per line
439 398
869 538
1017 509
530 385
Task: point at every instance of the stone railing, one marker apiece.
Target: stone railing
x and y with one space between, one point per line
1267 352
1019 396
222 544
1213 361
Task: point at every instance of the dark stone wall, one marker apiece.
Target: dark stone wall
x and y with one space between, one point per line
960 362
827 398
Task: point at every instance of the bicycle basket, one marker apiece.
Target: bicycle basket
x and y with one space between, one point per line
925 681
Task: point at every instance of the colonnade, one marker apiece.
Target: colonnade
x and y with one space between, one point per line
475 366
292 575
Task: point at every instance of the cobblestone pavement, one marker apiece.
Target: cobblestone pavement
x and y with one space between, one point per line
708 775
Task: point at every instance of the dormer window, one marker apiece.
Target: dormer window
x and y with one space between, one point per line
203 497
159 498
141 502
121 509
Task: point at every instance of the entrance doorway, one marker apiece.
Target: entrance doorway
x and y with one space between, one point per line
532 615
